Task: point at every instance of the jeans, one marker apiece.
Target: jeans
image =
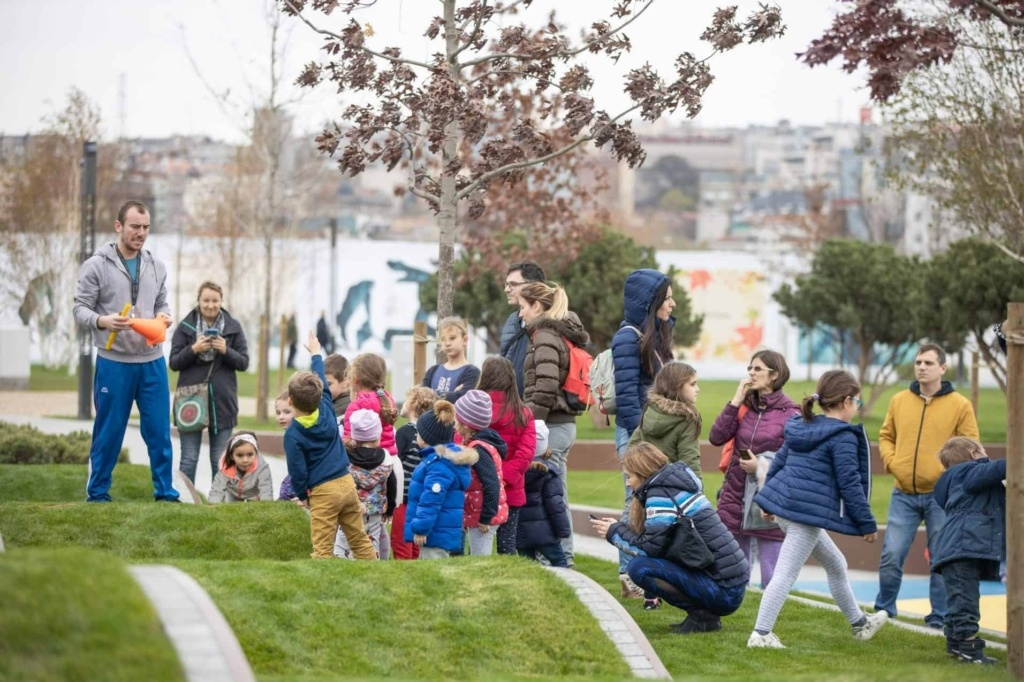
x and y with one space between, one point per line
767 555
560 440
553 553
621 440
689 590
507 532
480 544
961 579
906 512
191 446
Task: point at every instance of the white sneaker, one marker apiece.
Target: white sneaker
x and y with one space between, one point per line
769 641
630 590
874 623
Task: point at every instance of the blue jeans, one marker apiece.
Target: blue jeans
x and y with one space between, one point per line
116 386
689 590
621 440
553 553
906 512
962 579
192 444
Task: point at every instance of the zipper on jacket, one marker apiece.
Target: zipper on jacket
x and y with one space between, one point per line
917 445
842 509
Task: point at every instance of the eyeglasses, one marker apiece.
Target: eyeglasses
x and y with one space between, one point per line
858 402
513 285
757 370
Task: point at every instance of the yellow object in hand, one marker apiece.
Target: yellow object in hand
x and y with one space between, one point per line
113 335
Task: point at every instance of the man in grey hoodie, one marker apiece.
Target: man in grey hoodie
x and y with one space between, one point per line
123 274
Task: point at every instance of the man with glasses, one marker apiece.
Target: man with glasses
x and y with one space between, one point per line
917 424
514 342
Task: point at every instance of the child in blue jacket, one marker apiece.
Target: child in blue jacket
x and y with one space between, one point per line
972 541
437 493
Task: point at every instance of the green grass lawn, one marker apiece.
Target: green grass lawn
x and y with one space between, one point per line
66 483
75 614
604 489
471 618
819 641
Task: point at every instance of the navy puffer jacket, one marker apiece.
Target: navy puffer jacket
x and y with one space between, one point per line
544 520
821 477
514 343
974 498
631 381
677 482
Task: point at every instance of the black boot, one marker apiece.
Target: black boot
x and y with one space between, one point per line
698 621
972 651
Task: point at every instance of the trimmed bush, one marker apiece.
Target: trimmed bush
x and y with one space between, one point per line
25 444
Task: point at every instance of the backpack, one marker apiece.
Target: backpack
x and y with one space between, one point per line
576 386
602 379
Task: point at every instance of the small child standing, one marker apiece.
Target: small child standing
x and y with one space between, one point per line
418 400
544 520
437 492
319 466
284 413
486 505
671 421
336 369
242 475
374 477
456 376
367 375
971 542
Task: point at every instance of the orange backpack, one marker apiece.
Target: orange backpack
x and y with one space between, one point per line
727 449
576 386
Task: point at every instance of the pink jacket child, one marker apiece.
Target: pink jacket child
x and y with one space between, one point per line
369 400
521 441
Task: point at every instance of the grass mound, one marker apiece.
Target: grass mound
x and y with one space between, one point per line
74 614
470 618
66 483
24 444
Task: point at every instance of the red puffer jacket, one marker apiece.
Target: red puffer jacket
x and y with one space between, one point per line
521 442
487 444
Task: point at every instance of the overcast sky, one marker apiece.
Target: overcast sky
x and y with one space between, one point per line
49 46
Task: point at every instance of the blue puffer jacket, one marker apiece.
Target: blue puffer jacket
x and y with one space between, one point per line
514 343
437 495
821 477
631 381
973 495
677 482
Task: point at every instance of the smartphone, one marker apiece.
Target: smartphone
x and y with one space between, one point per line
212 332
746 454
592 517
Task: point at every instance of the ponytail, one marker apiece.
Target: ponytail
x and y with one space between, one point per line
388 413
834 387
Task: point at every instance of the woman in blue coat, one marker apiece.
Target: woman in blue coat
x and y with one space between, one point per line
640 347
820 480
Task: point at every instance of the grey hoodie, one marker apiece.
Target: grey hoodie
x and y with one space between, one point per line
104 288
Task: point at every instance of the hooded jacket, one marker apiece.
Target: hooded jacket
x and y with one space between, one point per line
521 442
974 498
631 379
916 428
670 425
677 482
223 383
544 519
368 400
437 495
105 287
547 364
375 480
231 486
514 344
821 477
486 502
761 430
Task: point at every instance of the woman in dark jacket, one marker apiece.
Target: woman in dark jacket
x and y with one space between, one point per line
666 495
640 347
209 342
550 326
753 420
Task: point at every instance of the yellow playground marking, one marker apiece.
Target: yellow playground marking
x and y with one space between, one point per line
993 610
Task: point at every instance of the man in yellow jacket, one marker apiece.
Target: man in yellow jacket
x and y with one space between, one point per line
918 423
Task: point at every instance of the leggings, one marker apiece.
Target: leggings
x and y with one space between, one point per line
802 542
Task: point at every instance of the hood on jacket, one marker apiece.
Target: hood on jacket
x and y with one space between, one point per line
803 436
540 467
491 437
570 327
945 388
638 295
657 427
776 400
366 458
455 454
232 472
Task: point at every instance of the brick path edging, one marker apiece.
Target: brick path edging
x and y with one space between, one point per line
617 624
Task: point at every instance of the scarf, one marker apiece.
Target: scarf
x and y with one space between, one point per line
218 324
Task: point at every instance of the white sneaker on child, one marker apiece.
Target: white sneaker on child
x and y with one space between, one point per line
769 641
874 623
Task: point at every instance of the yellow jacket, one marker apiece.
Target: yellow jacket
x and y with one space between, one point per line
914 431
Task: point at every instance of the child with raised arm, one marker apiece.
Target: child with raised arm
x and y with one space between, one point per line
319 466
243 476
971 542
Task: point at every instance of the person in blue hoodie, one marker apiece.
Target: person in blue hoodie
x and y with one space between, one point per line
972 541
820 480
437 493
319 466
640 347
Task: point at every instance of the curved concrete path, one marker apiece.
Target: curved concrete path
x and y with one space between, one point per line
204 641
616 622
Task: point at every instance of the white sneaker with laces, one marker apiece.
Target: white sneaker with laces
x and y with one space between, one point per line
630 590
769 641
874 623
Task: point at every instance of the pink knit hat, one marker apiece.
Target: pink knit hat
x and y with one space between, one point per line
474 409
365 425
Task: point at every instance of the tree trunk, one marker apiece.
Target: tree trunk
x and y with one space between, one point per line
446 217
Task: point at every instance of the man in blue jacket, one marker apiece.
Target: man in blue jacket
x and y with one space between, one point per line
514 341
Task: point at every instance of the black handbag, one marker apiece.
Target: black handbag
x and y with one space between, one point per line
687 547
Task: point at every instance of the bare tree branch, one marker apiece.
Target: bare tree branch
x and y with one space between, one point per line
998 12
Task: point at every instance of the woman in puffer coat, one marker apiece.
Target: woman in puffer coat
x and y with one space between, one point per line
664 494
550 326
755 420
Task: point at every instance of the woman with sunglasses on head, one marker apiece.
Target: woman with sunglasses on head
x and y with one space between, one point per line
753 422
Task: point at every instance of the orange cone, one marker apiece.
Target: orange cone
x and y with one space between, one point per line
153 330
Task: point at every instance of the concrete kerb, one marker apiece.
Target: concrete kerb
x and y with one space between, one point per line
202 638
617 624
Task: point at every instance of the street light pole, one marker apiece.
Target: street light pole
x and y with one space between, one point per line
88 245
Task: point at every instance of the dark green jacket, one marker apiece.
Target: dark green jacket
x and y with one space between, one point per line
670 426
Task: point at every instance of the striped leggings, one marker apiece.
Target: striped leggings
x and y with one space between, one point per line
802 542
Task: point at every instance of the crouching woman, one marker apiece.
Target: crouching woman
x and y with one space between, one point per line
684 554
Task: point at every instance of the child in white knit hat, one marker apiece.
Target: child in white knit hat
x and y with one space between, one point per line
544 521
374 476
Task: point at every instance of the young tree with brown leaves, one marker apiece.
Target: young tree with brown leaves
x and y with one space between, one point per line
423 115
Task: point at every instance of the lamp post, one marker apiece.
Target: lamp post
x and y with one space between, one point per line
88 245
